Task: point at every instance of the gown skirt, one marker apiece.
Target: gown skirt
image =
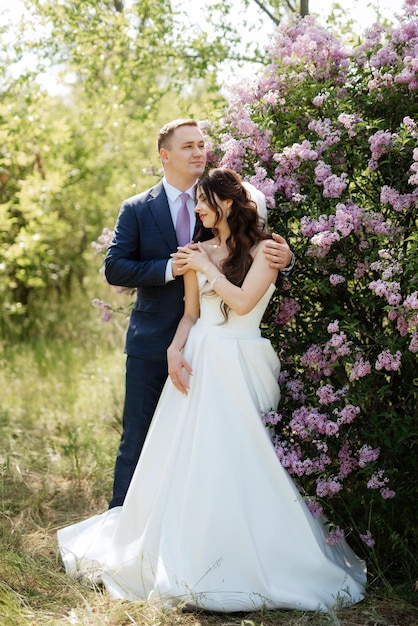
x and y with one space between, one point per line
211 519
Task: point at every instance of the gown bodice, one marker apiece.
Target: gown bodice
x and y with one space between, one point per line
211 313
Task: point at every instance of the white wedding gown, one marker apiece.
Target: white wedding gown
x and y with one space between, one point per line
211 519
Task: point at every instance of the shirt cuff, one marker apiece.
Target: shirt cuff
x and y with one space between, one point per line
289 269
169 271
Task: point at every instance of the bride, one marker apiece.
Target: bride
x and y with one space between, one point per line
211 519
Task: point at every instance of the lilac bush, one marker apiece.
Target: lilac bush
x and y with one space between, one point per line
330 135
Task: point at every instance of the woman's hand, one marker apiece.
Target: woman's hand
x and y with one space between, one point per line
191 257
176 364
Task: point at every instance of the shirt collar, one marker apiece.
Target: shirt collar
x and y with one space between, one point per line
173 193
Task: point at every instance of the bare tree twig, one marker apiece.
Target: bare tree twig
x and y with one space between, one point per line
265 9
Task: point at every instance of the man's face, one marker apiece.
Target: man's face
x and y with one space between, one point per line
184 158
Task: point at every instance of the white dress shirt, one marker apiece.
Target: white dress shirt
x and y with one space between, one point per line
174 202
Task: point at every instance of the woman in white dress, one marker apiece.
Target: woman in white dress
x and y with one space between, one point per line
211 519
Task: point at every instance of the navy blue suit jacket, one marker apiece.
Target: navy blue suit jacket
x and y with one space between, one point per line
137 257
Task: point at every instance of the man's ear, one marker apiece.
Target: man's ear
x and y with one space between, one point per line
163 155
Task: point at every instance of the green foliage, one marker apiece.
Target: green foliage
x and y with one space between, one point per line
67 161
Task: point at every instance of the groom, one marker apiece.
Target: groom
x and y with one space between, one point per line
139 257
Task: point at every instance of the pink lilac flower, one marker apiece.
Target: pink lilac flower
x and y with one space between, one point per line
315 508
349 122
367 538
333 327
334 185
413 345
234 152
345 221
412 127
375 223
295 390
271 418
308 421
379 143
387 361
314 358
387 494
320 99
332 429
286 311
361 269
323 241
264 184
327 394
103 241
360 369
402 325
393 314
328 487
335 535
336 279
288 456
322 172
105 307
408 74
367 454
346 460
399 202
340 260
337 340
323 55
347 414
310 226
287 186
411 301
388 290
380 80
413 180
378 480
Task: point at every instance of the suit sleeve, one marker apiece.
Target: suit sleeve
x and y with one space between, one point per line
125 265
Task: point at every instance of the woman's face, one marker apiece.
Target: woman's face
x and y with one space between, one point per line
209 216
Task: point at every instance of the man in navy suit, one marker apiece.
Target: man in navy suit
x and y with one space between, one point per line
139 257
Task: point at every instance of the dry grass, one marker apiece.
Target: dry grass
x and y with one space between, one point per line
59 433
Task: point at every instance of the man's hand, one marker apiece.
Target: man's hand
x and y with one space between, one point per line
277 251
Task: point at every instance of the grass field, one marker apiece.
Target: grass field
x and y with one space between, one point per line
60 424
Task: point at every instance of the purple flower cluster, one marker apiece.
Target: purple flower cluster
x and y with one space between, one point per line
311 132
105 308
103 241
286 311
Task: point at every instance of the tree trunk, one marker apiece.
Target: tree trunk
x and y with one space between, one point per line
304 7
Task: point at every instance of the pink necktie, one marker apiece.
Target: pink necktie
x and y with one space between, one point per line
183 221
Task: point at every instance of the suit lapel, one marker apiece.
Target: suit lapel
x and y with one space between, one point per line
160 213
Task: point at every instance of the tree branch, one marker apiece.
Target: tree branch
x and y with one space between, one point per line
265 9
291 7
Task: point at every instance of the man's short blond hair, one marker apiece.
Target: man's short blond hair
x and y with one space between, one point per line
166 132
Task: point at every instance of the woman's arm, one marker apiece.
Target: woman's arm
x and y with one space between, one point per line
176 361
239 299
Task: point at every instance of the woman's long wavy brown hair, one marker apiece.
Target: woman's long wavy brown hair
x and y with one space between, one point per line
243 220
